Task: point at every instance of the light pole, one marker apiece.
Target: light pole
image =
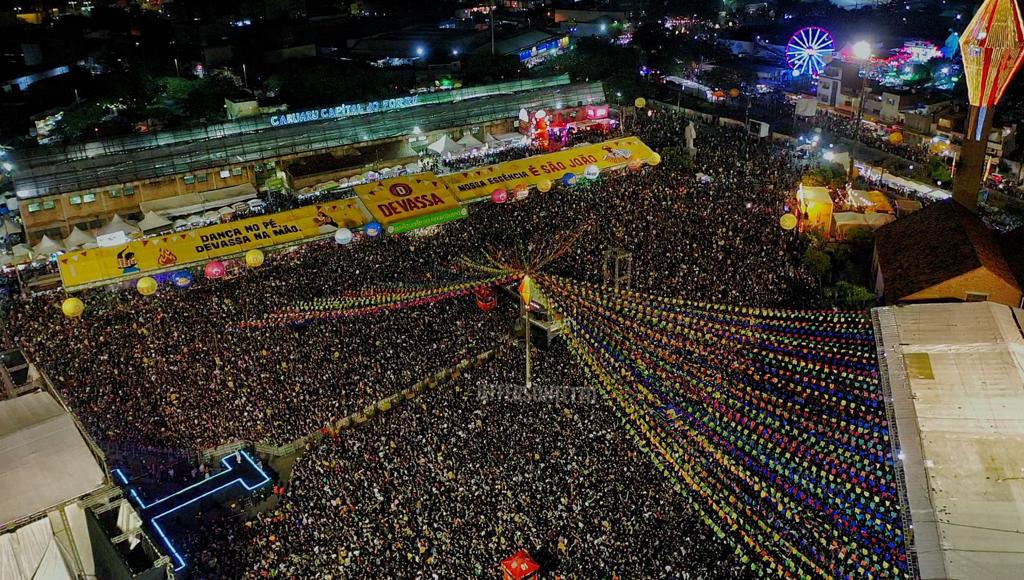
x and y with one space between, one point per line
861 52
245 76
177 71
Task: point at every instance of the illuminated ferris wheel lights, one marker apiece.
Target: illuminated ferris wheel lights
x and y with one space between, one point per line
808 50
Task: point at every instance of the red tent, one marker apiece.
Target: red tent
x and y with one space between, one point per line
519 566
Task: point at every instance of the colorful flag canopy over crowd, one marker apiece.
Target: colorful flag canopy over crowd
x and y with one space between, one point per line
772 421
375 300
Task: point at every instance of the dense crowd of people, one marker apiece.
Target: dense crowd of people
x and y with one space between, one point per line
447 486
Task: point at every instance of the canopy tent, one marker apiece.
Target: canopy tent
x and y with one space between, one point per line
191 203
470 142
11 227
32 552
817 203
153 222
445 146
489 140
508 139
179 224
211 216
118 224
845 222
46 246
46 460
877 220
906 206
21 250
78 238
879 202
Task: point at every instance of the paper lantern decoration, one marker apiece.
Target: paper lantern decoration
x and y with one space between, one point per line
896 138
343 236
992 47
499 195
655 159
635 164
569 179
183 279
146 286
640 102
544 186
591 172
72 307
787 221
734 93
214 270
373 229
254 258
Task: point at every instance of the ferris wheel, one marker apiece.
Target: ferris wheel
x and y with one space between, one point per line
809 50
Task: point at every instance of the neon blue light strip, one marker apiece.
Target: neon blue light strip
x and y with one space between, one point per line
120 475
228 469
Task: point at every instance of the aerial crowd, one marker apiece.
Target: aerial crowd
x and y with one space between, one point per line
449 484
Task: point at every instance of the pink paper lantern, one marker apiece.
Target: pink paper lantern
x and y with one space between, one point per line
214 270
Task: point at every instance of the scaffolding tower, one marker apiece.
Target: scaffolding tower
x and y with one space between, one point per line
618 268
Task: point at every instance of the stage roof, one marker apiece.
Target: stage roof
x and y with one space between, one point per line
44 460
956 374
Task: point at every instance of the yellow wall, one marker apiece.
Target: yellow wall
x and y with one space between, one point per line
978 280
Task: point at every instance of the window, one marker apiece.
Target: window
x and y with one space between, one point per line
115 193
75 200
89 198
49 204
977 296
203 177
189 179
224 173
129 190
34 207
236 171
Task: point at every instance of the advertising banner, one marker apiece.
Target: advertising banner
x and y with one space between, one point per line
203 244
481 182
409 196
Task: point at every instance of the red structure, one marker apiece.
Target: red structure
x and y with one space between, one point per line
519 566
993 50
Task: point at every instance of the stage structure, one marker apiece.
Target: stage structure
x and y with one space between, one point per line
993 50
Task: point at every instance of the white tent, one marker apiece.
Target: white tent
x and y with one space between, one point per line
11 227
877 220
46 246
179 224
845 222
211 216
154 222
470 142
489 140
445 146
21 250
77 238
32 552
118 224
413 167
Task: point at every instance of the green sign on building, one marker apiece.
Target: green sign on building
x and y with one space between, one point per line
424 221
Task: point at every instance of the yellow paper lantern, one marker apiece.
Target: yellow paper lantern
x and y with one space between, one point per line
544 186
254 258
146 286
787 221
896 138
655 159
734 93
73 307
640 102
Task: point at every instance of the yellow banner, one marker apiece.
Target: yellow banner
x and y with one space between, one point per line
529 172
408 196
203 244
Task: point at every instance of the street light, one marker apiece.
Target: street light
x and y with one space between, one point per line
862 50
862 54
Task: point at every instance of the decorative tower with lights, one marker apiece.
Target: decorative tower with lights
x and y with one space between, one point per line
992 47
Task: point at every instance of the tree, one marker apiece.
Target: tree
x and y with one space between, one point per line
488 68
79 122
817 262
854 296
727 77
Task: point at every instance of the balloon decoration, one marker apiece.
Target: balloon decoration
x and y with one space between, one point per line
214 270
499 195
655 159
254 258
771 422
591 171
343 236
895 138
372 301
544 186
372 229
569 179
72 307
183 279
640 102
788 221
146 286
734 93
540 114
521 192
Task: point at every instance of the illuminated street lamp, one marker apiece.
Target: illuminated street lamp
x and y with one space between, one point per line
862 50
862 55
993 49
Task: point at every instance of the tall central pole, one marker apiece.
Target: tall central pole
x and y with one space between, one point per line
524 296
